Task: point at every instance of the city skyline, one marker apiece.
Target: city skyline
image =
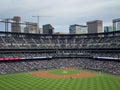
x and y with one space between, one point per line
61 13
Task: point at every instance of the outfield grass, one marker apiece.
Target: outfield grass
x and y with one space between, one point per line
25 81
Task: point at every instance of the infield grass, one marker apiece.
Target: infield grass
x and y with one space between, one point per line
25 81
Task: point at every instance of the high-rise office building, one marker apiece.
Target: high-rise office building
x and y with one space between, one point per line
95 26
48 29
108 28
15 26
116 24
77 29
30 28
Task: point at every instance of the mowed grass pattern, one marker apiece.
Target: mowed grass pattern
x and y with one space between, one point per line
25 81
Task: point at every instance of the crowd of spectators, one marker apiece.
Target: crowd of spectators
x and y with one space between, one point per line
48 43
106 66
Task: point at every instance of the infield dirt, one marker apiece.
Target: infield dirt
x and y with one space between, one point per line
46 74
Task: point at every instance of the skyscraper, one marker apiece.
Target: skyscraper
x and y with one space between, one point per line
118 26
48 29
95 26
77 29
108 28
15 26
30 28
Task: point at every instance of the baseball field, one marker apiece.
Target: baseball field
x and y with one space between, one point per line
60 79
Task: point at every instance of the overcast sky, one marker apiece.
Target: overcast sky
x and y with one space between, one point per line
61 13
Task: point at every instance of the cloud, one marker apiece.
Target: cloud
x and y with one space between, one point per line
63 12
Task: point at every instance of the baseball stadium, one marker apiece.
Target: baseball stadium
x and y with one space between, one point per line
60 61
